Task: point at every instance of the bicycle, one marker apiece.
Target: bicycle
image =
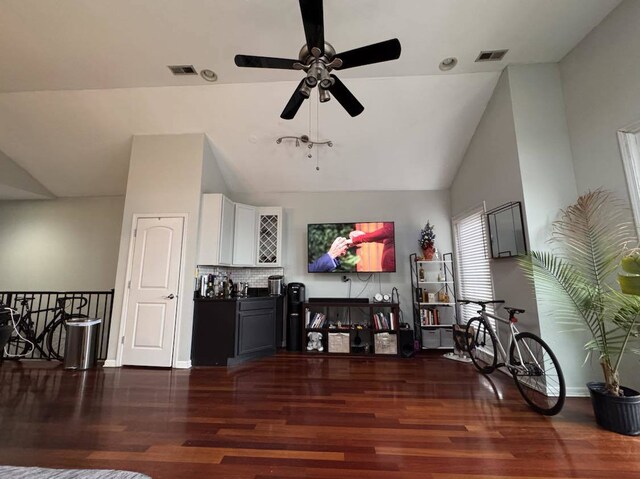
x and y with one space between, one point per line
26 338
531 363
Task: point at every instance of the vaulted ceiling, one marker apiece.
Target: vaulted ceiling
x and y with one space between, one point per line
81 77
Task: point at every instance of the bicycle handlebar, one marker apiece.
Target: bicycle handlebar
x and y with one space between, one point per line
62 301
24 299
481 303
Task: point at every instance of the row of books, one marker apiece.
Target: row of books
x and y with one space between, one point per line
316 320
429 317
382 321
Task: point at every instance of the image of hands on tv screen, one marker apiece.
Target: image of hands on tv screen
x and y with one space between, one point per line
351 247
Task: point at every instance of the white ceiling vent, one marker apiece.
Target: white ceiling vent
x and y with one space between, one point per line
182 69
491 56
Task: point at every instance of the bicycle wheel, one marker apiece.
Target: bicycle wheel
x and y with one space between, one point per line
18 346
22 340
56 339
537 374
482 345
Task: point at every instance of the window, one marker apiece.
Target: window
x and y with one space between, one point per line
474 273
629 139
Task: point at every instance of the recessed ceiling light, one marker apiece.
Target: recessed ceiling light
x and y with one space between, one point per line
208 75
448 64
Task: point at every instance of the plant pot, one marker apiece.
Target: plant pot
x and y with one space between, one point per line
619 414
428 252
629 283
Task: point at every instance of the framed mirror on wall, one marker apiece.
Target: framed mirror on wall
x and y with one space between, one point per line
506 231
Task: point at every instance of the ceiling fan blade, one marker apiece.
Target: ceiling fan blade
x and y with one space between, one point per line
294 104
313 21
374 53
345 97
252 61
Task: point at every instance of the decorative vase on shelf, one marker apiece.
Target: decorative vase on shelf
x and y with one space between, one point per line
428 252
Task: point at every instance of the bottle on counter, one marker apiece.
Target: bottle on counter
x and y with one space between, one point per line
210 281
203 285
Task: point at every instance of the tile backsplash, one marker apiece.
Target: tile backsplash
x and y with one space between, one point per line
256 277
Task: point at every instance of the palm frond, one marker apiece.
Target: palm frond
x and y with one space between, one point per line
589 240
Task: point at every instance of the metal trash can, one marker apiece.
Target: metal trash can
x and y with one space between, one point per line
80 345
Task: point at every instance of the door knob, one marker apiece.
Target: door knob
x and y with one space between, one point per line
171 296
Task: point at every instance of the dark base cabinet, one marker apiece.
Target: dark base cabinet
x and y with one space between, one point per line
230 331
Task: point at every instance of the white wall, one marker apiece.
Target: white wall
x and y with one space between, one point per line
17 183
490 172
165 176
548 185
410 210
60 245
212 179
601 83
521 152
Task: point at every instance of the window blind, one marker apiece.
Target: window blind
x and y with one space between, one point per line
474 273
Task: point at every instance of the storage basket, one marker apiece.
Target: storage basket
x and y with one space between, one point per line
386 343
446 338
339 342
430 338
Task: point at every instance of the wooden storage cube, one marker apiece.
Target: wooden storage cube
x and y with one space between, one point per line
386 343
446 338
430 338
339 342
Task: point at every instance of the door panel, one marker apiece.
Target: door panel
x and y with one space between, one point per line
146 333
155 263
152 303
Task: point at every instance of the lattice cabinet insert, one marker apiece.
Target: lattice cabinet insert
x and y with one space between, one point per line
269 236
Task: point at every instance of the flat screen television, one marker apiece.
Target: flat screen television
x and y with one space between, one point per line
359 247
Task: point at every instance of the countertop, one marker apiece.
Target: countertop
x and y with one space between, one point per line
254 293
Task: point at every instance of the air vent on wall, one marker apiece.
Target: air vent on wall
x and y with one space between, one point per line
182 69
491 56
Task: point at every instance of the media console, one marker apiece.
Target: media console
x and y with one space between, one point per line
350 326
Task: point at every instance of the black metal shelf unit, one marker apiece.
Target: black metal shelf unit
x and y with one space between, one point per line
433 285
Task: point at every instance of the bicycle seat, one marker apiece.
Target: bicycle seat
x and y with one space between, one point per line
513 311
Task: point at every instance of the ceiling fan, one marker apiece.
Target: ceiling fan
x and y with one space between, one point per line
318 58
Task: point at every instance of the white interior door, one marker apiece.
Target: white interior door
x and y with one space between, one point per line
152 304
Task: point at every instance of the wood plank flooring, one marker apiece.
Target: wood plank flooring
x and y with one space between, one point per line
300 416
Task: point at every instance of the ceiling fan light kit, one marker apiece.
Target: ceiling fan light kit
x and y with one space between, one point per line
318 59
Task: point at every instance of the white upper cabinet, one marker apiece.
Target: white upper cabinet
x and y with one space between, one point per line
233 234
215 238
269 244
226 231
244 237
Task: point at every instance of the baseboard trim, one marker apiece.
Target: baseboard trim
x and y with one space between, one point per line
577 392
182 364
110 363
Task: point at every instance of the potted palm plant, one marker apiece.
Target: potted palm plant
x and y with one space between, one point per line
578 278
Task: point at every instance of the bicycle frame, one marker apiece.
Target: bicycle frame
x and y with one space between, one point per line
513 330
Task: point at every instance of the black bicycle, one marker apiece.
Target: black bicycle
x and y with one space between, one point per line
50 341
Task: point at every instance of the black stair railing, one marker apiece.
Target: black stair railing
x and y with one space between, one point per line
99 305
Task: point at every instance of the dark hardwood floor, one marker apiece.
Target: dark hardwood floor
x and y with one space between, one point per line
300 416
